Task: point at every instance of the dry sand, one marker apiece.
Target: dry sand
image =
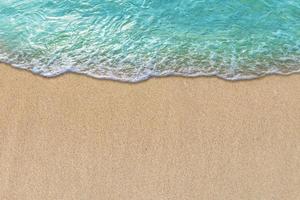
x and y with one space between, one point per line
74 137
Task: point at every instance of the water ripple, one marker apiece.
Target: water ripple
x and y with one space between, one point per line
132 40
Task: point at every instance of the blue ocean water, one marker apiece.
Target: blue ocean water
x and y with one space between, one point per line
132 40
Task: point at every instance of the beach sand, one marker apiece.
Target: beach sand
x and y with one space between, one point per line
75 137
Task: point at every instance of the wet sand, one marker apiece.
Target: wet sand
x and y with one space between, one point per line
74 137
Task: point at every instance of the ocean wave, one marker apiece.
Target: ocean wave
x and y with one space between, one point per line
134 40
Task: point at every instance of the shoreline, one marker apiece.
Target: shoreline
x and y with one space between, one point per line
154 76
77 137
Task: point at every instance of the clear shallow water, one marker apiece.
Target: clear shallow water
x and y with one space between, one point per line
132 40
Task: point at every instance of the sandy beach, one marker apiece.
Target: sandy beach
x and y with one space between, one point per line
75 137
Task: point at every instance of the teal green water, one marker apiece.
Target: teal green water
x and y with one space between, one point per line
132 40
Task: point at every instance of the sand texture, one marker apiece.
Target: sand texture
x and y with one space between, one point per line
74 137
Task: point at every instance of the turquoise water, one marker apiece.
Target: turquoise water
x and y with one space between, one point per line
132 40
